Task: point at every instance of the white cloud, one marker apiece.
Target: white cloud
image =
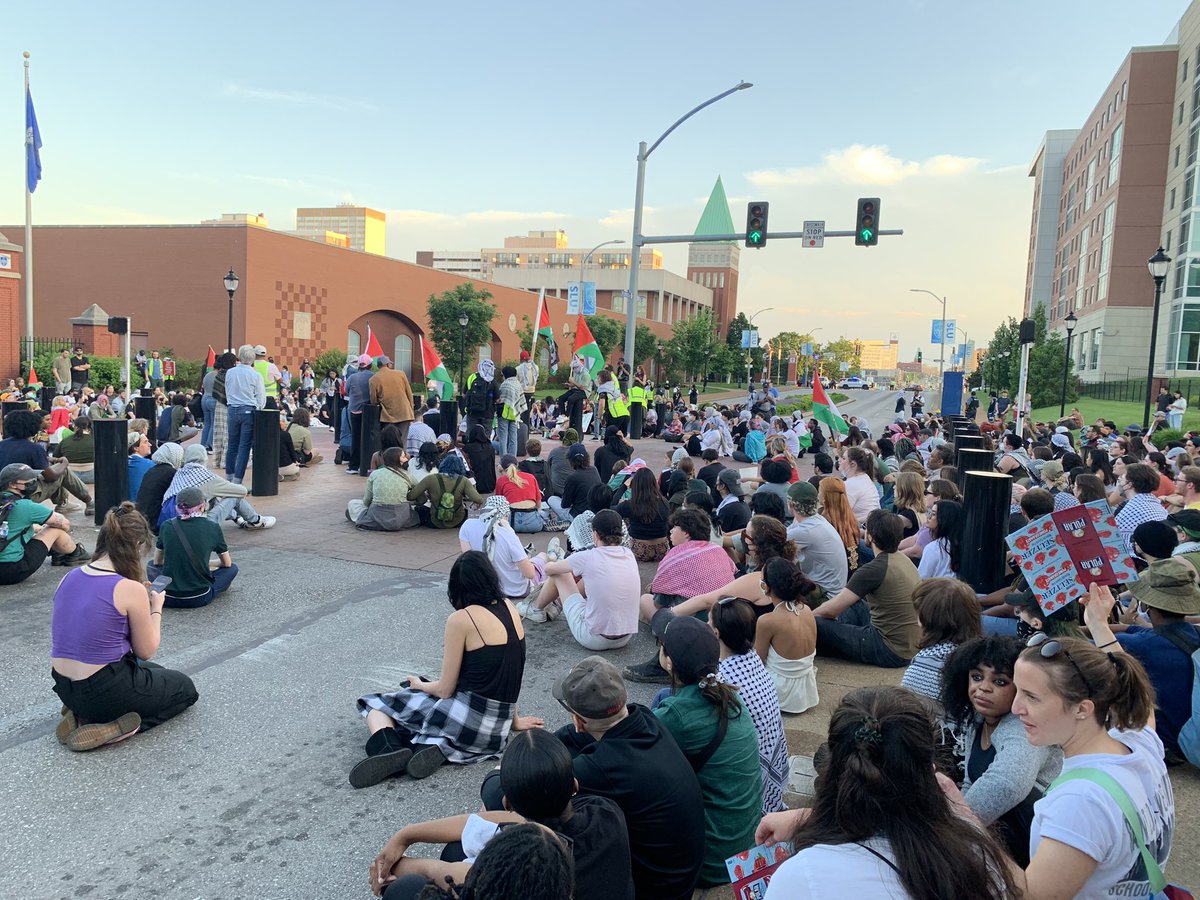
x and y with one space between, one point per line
860 164
297 98
625 216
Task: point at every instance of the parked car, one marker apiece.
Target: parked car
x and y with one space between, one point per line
853 383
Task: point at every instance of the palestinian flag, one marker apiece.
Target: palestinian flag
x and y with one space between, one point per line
825 411
211 362
585 346
33 379
546 333
435 370
374 349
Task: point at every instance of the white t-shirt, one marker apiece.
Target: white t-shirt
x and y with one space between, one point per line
837 870
506 553
613 585
820 553
935 561
1081 814
863 497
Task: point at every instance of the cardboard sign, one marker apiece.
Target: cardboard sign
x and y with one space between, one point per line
750 871
1062 553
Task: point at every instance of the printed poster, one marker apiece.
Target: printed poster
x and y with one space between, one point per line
750 871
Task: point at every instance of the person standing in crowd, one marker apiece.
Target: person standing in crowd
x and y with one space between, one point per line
220 434
269 374
1175 410
80 370
390 390
61 368
358 395
106 628
209 405
579 385
527 376
244 393
154 370
480 402
513 411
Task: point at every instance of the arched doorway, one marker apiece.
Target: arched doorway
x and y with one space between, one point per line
397 335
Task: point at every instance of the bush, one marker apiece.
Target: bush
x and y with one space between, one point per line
330 359
804 404
1164 436
188 374
106 370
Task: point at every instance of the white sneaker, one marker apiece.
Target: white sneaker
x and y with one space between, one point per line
530 612
263 523
554 551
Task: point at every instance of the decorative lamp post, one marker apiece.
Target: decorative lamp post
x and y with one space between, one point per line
463 321
231 286
1158 264
1070 322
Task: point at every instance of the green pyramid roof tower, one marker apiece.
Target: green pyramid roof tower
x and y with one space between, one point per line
716 218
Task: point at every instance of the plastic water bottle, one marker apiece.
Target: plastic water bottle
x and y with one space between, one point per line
3 531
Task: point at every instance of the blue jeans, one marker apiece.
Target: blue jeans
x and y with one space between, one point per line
222 578
528 521
209 405
506 436
241 436
999 625
852 636
1175 420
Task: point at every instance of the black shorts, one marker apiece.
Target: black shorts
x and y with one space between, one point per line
16 572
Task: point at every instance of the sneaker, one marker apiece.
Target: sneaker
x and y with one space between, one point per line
554 609
89 737
554 551
66 725
76 557
90 508
259 524
649 672
374 769
352 471
531 613
425 762
557 525
529 549
337 456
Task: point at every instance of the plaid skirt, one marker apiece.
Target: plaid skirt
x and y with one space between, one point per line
220 434
467 727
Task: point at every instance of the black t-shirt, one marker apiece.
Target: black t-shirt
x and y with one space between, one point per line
639 767
708 474
911 525
734 516
79 376
19 450
600 845
606 457
577 487
645 531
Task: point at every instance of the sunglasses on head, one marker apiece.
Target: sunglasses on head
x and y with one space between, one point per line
1050 648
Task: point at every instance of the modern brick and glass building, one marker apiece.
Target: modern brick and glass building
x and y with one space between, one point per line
364 228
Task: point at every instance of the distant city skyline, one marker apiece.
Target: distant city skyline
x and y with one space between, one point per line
466 135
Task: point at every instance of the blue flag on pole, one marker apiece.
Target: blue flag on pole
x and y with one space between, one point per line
33 146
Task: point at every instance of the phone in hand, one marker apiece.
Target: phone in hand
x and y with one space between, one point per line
160 583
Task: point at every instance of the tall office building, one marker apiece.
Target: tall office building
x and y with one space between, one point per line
364 228
1047 174
715 265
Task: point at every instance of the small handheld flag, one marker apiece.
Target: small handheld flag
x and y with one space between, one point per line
435 371
825 411
586 346
374 348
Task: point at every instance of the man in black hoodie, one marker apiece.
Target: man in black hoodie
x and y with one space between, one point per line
623 753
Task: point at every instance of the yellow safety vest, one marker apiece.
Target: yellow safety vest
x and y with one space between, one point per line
263 368
637 395
616 406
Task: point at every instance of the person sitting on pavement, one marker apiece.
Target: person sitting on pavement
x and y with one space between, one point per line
183 549
226 500
624 752
22 549
820 552
289 459
523 495
78 448
1003 774
880 823
646 514
557 466
439 498
786 637
175 424
575 490
579 532
421 432
716 733
301 436
736 625
949 614
482 455
534 783
597 589
106 627
614 449
424 461
467 714
534 465
493 534
55 482
139 461
1167 590
872 620
149 500
385 505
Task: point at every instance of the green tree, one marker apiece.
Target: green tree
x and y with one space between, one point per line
608 333
331 359
1046 358
833 354
691 345
645 344
446 333
1001 372
733 340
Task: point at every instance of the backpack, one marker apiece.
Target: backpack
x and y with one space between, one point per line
169 511
5 537
444 510
478 396
1189 734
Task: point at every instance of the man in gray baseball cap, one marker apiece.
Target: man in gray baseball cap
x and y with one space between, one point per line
22 550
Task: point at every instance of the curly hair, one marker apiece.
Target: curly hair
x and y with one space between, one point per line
999 652
770 540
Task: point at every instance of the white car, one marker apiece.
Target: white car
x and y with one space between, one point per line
853 383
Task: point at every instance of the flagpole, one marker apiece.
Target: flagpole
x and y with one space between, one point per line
537 321
28 232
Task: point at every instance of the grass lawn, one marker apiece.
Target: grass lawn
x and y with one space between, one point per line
1121 413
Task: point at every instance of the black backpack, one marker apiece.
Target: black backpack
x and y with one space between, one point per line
6 507
479 396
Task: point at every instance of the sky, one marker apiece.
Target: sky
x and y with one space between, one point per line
470 122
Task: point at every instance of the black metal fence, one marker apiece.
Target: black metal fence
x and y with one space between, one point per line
42 346
1132 389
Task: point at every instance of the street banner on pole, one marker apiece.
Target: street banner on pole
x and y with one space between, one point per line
573 298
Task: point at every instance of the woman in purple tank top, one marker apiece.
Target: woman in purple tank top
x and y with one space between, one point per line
105 626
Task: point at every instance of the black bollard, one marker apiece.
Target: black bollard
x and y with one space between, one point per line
636 419
449 417
264 475
970 459
111 466
968 441
47 396
370 438
986 499
145 408
336 405
12 406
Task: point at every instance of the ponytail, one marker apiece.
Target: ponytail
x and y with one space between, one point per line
1116 683
515 476
1133 701
125 538
721 695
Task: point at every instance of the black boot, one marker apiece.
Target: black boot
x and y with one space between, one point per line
388 753
649 672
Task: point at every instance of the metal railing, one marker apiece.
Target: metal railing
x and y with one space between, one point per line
44 345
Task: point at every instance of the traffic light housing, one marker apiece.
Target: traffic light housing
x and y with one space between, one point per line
756 223
920 356
866 229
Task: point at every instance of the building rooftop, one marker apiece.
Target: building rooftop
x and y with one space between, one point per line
716 218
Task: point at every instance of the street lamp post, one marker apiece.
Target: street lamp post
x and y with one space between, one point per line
634 263
463 321
1158 264
749 359
941 300
231 286
1069 322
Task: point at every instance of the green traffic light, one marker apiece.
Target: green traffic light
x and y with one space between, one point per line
867 234
756 237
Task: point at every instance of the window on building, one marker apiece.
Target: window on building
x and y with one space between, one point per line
1094 359
1176 164
353 344
1088 191
485 351
1189 186
722 279
1184 76
1106 243
403 357
1171 205
1167 245
1187 354
1114 156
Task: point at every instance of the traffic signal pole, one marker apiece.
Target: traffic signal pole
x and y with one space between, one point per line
770 235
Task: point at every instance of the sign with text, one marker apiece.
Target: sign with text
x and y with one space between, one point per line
573 298
749 339
814 234
806 349
750 871
936 332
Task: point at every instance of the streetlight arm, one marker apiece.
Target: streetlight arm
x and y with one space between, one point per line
741 86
